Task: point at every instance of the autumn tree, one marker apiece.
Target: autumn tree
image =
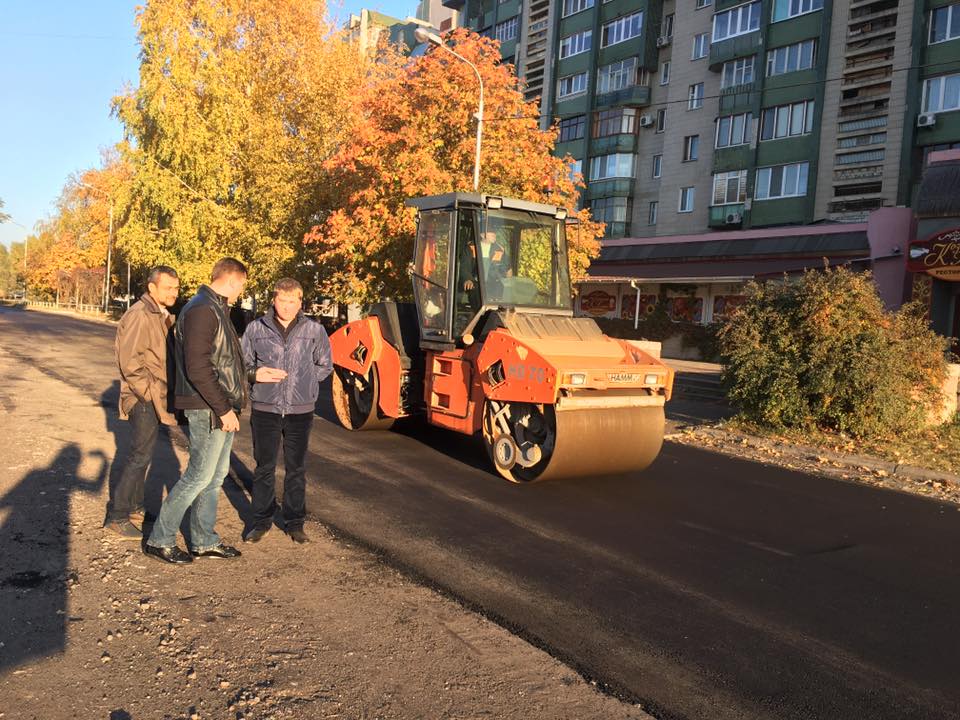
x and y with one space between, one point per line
239 104
414 136
3 216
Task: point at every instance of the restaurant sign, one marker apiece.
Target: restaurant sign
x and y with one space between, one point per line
938 255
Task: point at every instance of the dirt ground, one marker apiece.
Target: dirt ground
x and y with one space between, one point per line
92 628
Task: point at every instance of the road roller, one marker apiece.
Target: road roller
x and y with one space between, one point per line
491 347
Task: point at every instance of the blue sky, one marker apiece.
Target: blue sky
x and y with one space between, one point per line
60 64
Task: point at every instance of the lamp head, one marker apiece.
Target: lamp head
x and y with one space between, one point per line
425 36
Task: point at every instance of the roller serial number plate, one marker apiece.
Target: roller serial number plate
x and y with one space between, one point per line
624 377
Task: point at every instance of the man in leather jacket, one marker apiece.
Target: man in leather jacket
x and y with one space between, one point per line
211 389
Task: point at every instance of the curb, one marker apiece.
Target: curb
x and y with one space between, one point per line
807 452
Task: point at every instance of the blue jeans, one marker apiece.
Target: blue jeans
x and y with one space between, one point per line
198 488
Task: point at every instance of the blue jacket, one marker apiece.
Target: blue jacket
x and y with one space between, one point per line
305 355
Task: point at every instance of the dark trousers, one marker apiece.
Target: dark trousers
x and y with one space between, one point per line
128 493
269 430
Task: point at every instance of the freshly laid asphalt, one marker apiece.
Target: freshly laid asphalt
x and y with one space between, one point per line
704 587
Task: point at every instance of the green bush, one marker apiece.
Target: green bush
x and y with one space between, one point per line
822 351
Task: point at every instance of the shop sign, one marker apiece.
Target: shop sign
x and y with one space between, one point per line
937 256
598 303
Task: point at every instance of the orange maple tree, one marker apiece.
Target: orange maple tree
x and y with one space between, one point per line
414 135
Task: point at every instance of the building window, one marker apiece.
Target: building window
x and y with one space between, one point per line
617 76
507 30
701 4
730 187
861 157
686 200
781 181
691 148
571 85
790 58
666 27
661 121
701 46
652 213
621 29
619 121
571 7
572 128
576 168
610 210
785 9
665 73
695 97
657 165
576 43
787 120
733 130
866 124
738 21
861 140
941 93
737 72
945 24
618 165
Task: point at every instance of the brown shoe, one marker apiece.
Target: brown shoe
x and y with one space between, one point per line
124 529
298 536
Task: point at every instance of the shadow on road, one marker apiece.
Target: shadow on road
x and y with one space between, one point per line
34 573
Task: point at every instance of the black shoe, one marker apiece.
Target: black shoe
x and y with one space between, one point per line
255 535
298 536
220 551
173 554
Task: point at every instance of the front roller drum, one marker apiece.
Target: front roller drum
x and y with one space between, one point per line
356 399
541 442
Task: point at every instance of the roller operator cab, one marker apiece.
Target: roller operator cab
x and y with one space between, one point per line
490 346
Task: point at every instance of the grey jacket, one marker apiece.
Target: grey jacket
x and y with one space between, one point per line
305 356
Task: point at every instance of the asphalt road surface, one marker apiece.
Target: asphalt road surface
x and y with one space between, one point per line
705 587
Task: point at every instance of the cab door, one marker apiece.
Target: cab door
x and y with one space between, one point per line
431 274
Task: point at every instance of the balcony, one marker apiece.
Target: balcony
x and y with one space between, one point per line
740 46
623 143
727 216
739 98
614 187
633 96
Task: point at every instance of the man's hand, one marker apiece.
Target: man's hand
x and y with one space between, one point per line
229 422
270 375
468 285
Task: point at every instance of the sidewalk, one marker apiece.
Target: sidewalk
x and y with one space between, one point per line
91 628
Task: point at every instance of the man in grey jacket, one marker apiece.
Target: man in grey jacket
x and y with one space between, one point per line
287 356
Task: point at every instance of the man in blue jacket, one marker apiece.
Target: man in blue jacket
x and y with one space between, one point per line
287 355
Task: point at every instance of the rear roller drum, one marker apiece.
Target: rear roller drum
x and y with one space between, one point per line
355 399
528 442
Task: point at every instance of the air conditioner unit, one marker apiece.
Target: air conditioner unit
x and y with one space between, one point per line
926 119
663 41
734 218
647 121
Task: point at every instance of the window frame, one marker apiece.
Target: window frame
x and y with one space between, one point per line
576 121
656 168
683 194
582 5
585 45
623 117
705 49
622 72
771 59
661 124
599 160
746 134
622 25
586 85
758 185
665 73
925 95
951 9
742 70
691 148
790 13
728 13
653 209
695 97
514 23
724 178
809 119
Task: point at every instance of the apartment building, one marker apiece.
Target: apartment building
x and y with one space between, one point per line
721 139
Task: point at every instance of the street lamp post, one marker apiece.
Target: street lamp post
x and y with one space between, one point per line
106 277
423 35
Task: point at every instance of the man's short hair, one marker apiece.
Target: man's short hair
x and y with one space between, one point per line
227 266
285 285
156 272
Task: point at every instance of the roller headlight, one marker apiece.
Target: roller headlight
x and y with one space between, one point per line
651 379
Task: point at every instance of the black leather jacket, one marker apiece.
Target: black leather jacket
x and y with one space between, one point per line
210 371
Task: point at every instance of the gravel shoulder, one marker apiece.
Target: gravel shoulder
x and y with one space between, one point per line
92 628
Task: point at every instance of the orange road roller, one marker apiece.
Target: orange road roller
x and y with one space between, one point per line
491 346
